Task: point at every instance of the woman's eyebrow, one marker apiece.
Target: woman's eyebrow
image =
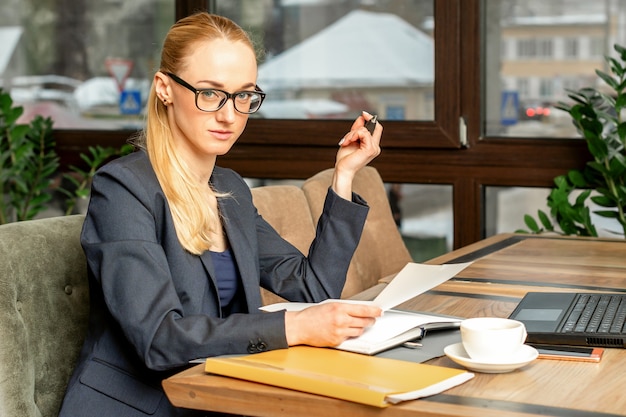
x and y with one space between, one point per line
215 84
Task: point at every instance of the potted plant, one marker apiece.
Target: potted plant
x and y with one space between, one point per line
598 116
28 162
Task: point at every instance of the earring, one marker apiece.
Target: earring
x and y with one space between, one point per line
165 102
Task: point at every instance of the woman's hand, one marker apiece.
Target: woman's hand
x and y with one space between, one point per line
357 149
328 324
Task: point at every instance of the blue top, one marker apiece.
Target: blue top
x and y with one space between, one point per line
227 275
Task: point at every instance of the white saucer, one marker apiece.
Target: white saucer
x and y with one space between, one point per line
456 352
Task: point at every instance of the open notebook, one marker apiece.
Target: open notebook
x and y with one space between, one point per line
396 326
575 319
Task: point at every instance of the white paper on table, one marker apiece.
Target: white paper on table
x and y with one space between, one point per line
415 279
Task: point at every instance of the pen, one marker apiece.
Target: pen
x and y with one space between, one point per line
371 124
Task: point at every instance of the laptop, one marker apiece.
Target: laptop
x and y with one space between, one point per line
574 319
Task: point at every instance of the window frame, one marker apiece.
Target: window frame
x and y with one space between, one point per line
427 152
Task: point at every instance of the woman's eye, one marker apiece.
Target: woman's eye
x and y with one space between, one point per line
243 96
209 94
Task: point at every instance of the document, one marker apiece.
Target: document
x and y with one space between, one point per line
395 327
370 380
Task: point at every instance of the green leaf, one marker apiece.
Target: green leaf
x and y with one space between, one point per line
576 178
560 181
617 167
610 214
580 200
620 50
18 132
615 65
531 223
603 201
598 167
597 147
620 103
611 82
82 193
545 220
621 131
11 115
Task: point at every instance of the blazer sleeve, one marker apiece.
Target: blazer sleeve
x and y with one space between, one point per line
322 273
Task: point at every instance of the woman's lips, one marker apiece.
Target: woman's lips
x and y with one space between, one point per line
221 134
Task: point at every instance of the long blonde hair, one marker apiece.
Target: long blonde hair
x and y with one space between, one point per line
188 200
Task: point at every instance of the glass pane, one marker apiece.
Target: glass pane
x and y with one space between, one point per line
506 207
534 51
327 59
424 215
85 64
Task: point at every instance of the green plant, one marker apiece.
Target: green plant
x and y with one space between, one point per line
81 178
598 117
27 163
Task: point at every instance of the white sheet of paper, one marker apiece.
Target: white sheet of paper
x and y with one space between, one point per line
415 279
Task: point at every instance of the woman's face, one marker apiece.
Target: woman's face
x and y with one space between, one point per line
222 64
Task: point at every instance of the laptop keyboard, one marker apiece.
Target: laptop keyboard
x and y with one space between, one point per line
597 314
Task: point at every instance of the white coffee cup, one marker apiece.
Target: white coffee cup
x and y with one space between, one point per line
492 339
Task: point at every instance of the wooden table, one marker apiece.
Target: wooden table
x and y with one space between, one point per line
505 268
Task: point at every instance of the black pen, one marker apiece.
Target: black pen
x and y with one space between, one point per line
371 124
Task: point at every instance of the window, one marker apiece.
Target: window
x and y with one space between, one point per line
580 32
523 86
571 48
318 57
470 141
597 47
559 43
88 66
545 48
546 88
526 48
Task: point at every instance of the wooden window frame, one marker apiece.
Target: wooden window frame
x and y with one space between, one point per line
413 152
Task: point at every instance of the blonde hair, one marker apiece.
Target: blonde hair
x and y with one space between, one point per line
188 200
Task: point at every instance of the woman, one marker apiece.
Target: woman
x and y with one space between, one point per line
176 250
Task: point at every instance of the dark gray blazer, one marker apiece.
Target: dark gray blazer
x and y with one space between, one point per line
155 307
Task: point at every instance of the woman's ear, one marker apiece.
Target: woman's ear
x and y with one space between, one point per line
162 87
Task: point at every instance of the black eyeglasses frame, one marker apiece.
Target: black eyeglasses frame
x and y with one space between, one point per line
229 96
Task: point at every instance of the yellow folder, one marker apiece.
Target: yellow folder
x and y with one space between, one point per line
345 375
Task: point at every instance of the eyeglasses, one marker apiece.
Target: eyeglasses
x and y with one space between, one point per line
213 99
